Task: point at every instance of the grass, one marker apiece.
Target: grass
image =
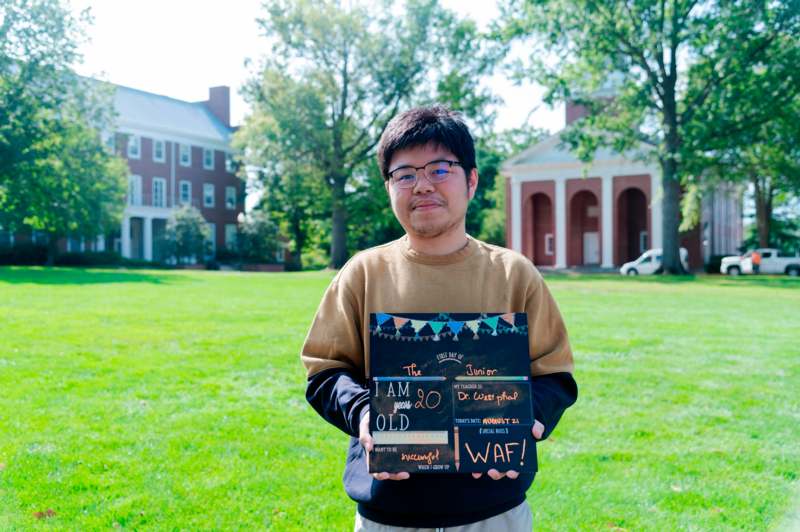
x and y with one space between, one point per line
174 400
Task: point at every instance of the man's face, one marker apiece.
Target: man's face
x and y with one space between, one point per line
428 210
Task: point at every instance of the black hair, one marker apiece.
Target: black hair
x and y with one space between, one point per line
423 125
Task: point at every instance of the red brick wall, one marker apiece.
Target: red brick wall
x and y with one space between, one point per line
575 227
548 188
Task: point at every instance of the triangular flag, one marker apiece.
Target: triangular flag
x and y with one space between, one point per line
508 318
492 322
455 326
473 326
399 322
382 318
417 325
437 326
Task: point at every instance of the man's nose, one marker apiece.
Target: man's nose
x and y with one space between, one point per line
423 184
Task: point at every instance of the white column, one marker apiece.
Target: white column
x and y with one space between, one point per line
608 220
100 243
561 224
125 233
148 238
655 209
516 215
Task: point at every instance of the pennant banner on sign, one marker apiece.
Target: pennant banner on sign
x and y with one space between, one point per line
443 326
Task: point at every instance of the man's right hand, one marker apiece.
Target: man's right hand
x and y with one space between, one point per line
366 440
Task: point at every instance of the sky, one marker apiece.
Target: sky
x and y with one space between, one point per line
180 48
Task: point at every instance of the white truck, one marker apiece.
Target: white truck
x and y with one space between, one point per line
772 261
650 262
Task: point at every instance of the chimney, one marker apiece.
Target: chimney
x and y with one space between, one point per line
575 112
219 103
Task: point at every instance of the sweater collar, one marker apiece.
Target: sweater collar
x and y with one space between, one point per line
423 258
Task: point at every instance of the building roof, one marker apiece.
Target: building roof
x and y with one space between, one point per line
138 109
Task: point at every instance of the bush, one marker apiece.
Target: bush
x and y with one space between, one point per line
24 254
187 235
258 238
89 258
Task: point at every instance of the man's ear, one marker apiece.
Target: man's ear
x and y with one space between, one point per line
472 183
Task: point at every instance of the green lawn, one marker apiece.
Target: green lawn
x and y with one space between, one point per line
161 400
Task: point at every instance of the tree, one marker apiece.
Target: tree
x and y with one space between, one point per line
258 238
337 75
662 77
56 175
768 161
187 236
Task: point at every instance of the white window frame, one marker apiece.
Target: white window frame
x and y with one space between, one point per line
185 149
206 188
229 162
643 241
230 195
135 195
206 152
188 200
163 182
134 147
230 236
548 244
163 157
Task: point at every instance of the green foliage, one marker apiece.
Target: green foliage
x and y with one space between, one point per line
55 174
335 77
258 238
662 80
187 235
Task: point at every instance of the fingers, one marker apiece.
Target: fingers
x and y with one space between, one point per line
537 430
391 476
494 474
363 433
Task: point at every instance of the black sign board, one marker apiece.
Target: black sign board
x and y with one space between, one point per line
450 393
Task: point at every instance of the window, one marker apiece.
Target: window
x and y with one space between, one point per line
158 151
134 190
208 159
212 237
185 155
548 244
159 192
230 236
39 237
185 192
643 241
208 195
766 255
230 198
134 146
229 163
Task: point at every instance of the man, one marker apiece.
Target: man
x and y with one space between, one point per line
427 158
756 261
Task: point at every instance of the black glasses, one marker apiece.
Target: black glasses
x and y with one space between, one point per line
436 171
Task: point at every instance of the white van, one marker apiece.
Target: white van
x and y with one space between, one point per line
650 262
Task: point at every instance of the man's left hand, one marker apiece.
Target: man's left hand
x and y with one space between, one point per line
537 430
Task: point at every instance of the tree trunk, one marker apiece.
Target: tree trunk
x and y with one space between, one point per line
339 227
299 238
763 199
670 204
670 222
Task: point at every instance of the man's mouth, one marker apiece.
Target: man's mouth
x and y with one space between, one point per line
425 205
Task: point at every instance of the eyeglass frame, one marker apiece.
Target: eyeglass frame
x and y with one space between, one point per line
418 168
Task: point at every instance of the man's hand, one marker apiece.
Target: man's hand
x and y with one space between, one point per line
537 430
366 441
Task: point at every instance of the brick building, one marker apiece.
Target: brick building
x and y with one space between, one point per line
560 213
178 153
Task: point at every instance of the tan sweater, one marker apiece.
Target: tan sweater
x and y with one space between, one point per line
393 278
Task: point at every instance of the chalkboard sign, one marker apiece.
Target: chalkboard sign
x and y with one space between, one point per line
450 393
